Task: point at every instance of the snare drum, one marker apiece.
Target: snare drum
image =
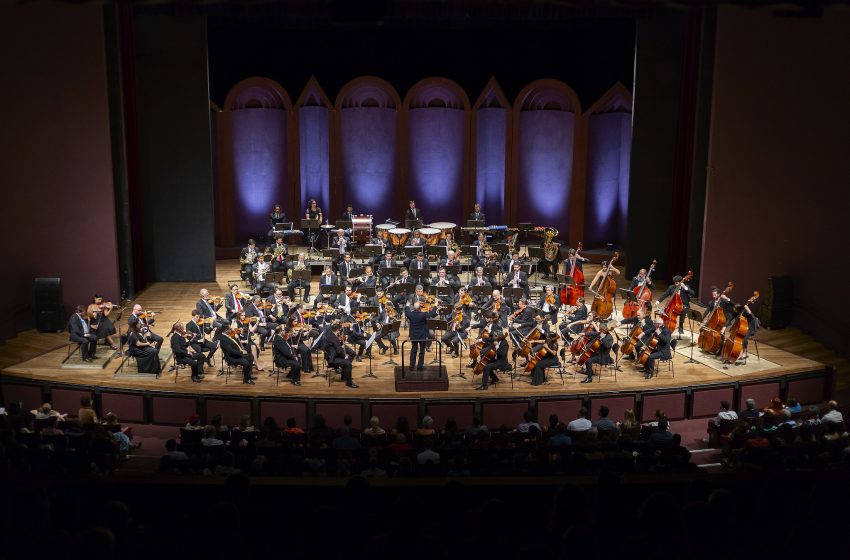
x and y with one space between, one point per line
399 236
431 236
444 227
382 232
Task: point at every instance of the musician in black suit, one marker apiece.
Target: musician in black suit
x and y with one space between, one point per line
444 280
278 252
385 317
508 262
413 213
457 331
647 326
550 359
138 316
550 303
246 259
580 314
662 349
516 278
209 309
341 242
498 362
479 246
232 349
276 217
284 355
80 331
420 270
419 337
198 343
602 355
451 259
477 214
328 278
344 268
686 294
345 302
356 337
184 353
337 356
522 324
348 215
234 302
405 286
368 280
574 261
719 299
641 279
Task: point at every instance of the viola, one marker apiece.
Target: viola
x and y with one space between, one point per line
733 344
603 301
711 330
570 294
675 306
642 293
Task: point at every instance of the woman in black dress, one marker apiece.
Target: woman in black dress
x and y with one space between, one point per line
313 213
98 312
146 354
248 328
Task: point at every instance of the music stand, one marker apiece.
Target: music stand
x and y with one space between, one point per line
332 254
367 348
524 228
412 250
413 224
440 291
479 291
389 272
435 250
418 275
475 223
437 325
513 293
367 291
387 330
452 270
310 226
491 270
500 248
537 254
693 316
343 225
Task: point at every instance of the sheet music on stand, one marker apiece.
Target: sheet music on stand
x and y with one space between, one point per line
343 224
331 289
478 291
436 250
332 254
513 293
565 280
367 291
303 275
535 252
413 250
491 270
413 224
418 275
371 309
386 331
452 269
440 291
389 272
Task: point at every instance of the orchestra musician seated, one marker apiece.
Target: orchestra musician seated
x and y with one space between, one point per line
80 332
198 342
338 356
516 278
344 268
234 354
276 217
208 308
259 272
98 312
498 362
142 349
277 255
234 302
284 355
184 353
145 322
662 349
328 278
300 266
246 259
603 354
420 270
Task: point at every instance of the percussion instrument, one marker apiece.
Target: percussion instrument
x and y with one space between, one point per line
399 236
327 226
382 232
431 236
444 227
361 228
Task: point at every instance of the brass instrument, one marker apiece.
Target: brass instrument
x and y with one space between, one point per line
298 267
249 258
262 269
453 246
550 248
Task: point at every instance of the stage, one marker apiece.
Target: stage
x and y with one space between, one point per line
772 370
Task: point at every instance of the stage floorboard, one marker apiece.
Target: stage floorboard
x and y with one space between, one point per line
175 300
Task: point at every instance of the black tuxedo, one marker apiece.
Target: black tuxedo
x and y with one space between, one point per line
230 304
456 329
199 344
567 265
235 356
284 356
344 270
580 314
602 355
522 281
336 356
80 331
525 320
413 214
500 360
181 348
347 217
477 216
418 334
417 267
662 349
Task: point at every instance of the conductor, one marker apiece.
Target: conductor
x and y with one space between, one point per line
419 337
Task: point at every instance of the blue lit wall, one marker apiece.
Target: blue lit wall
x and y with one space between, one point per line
491 138
314 156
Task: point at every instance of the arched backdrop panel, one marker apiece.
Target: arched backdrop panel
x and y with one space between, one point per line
314 146
545 143
368 154
258 111
608 158
492 125
436 143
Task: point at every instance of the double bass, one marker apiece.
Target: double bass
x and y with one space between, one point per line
603 301
569 294
736 333
711 330
642 293
675 306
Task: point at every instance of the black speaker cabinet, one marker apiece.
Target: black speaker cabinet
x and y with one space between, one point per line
49 315
775 311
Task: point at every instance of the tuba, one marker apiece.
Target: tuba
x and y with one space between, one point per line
550 248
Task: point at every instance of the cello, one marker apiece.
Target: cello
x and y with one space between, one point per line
539 355
485 359
675 306
711 330
569 294
736 333
634 336
650 347
643 294
603 301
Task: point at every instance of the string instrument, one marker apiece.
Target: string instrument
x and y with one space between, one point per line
475 349
569 294
485 359
528 341
539 355
643 294
711 330
650 347
465 299
674 307
149 314
216 300
630 345
733 344
458 318
265 305
593 344
603 301
550 299
577 344
390 311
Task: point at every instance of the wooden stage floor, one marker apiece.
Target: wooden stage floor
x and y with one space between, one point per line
175 300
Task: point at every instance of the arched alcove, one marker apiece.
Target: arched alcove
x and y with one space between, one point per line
544 142
609 140
491 125
366 154
257 111
437 136
313 110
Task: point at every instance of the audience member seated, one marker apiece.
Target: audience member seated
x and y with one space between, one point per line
833 416
46 411
344 441
292 428
194 423
561 438
86 415
726 413
428 455
374 429
775 407
603 422
629 422
477 426
581 423
210 438
527 423
794 407
427 428
750 414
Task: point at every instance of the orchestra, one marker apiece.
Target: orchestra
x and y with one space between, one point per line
388 293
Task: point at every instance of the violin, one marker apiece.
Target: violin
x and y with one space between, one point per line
569 294
643 294
550 299
603 301
736 333
675 306
711 330
465 299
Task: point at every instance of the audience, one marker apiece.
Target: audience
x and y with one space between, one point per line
210 438
603 422
750 414
526 423
581 423
726 413
86 415
833 416
428 455
375 429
